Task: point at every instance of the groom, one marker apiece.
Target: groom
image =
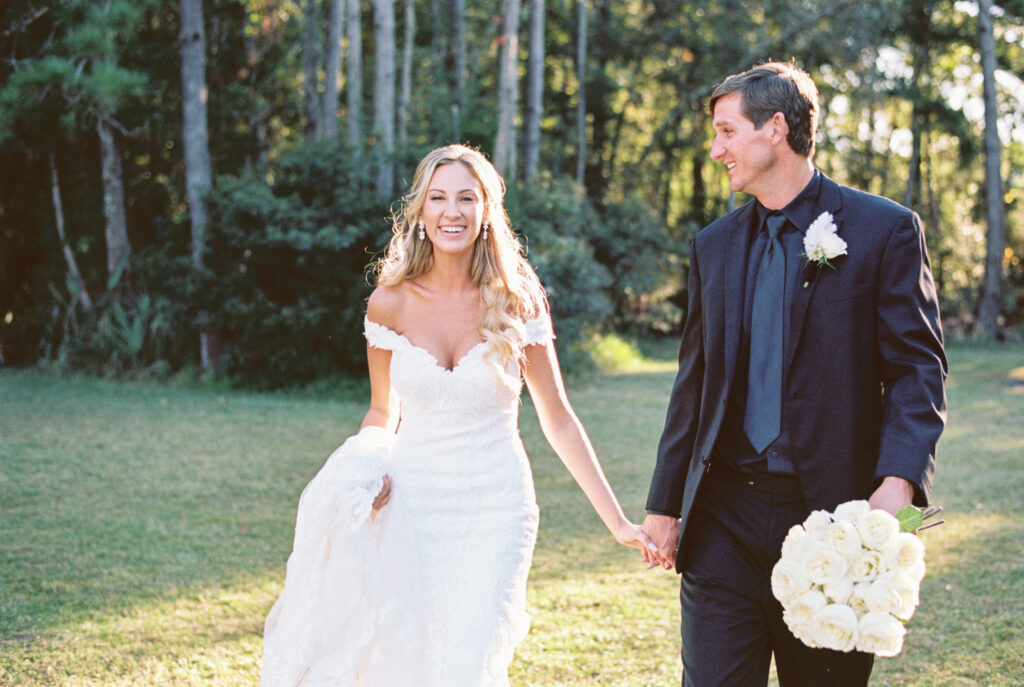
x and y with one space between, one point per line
810 373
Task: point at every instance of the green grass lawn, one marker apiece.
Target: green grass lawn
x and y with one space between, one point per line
144 530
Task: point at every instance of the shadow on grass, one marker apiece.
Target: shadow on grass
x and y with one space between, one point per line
118 494
157 521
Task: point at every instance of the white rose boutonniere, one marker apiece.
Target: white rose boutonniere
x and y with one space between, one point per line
821 242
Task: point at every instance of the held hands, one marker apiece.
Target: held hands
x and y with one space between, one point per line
664 532
634 537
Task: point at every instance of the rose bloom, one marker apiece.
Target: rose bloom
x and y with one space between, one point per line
865 566
852 510
843 537
835 627
904 552
880 634
803 633
790 544
840 591
788 580
803 608
876 528
909 591
883 596
817 521
824 565
858 600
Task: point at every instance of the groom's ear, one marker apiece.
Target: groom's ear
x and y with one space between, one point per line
779 129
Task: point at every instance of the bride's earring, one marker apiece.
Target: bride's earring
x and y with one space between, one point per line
486 227
422 230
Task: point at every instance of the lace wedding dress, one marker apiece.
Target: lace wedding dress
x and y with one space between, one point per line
432 591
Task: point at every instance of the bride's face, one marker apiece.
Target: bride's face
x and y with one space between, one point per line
453 209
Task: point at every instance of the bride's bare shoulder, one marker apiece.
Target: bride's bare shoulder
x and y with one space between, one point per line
386 303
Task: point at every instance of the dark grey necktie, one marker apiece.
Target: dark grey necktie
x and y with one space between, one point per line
764 383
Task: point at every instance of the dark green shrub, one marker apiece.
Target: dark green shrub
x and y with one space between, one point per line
646 264
286 288
557 221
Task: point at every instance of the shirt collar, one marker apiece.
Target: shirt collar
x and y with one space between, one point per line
800 209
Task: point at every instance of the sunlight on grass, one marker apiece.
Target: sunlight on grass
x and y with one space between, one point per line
601 628
207 637
145 530
616 355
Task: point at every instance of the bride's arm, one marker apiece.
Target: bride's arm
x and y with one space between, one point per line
378 360
379 308
569 440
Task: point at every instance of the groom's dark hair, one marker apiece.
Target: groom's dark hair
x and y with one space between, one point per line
776 87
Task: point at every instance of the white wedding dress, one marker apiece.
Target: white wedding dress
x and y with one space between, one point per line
432 591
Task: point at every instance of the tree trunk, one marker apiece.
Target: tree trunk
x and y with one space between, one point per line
74 275
256 154
508 91
438 49
440 27
195 136
918 121
581 90
699 202
933 222
384 91
119 250
599 92
458 73
332 68
668 174
405 94
534 89
311 66
992 284
355 74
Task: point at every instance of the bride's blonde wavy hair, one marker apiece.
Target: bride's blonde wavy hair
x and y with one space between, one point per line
509 288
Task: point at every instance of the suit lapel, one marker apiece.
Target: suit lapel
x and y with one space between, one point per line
829 200
734 269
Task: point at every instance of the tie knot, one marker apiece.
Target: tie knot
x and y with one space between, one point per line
774 223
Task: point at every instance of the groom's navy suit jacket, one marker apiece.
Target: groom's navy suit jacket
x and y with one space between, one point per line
864 367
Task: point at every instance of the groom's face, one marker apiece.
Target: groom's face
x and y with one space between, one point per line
748 153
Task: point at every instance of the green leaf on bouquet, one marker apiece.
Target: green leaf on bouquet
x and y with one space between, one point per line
910 518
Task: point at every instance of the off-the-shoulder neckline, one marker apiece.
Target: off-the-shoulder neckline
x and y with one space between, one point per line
423 350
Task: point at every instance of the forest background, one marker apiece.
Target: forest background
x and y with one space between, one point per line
197 187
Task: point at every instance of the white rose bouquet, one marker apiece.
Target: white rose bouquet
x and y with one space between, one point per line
850 579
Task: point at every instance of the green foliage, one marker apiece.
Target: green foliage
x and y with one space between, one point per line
121 335
645 260
558 222
614 266
910 518
613 260
286 284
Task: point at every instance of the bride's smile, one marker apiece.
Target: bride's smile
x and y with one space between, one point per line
453 210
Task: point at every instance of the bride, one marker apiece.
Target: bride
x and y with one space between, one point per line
413 547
